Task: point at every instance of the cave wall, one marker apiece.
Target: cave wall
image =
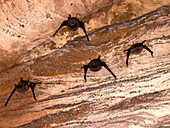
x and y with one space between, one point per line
26 24
138 98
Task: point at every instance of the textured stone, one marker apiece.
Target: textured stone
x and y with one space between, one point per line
26 24
138 98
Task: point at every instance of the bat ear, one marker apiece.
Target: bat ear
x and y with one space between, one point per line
69 16
81 21
98 57
21 79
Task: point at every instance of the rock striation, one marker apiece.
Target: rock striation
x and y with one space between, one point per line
140 95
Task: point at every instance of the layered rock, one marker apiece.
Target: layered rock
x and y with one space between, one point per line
138 98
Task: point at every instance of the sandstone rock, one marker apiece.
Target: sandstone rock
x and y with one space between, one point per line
138 98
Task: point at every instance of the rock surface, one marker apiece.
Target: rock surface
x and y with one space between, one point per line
138 98
28 24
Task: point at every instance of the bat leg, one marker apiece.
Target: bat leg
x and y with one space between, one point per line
85 71
83 27
128 54
10 96
104 64
145 47
63 24
32 89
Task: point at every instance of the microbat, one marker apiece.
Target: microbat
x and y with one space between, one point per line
73 24
136 49
95 65
22 87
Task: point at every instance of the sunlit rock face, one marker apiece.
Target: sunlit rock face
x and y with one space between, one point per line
138 98
26 25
